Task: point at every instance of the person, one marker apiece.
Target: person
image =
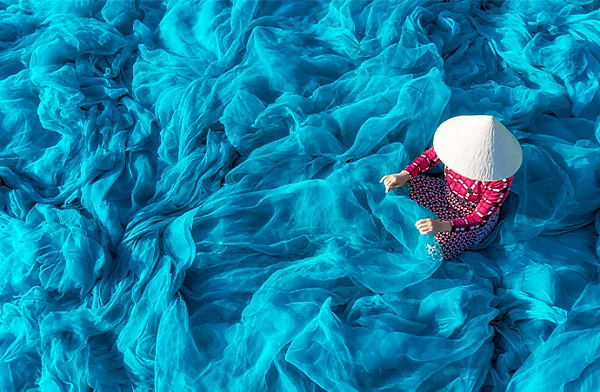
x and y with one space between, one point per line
481 158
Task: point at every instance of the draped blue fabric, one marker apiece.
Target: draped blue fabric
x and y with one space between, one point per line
190 196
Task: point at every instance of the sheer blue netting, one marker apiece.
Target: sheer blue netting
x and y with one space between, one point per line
190 196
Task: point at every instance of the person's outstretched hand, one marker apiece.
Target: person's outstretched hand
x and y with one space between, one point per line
392 181
432 226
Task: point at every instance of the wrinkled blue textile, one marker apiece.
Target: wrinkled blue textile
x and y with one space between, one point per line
191 197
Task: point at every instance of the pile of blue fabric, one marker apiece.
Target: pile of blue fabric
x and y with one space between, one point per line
190 196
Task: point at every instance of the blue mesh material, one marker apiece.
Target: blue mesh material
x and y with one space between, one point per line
191 197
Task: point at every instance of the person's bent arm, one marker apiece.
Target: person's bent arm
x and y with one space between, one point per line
426 161
493 197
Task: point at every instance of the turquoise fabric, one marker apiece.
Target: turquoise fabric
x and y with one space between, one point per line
191 197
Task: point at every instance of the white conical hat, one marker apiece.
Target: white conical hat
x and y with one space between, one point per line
478 147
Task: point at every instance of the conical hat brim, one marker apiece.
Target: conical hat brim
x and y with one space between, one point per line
478 147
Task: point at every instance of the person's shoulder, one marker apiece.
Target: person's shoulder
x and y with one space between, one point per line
430 152
500 184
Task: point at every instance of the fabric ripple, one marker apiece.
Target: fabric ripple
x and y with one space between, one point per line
190 196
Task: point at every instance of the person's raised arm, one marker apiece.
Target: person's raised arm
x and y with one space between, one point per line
426 161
